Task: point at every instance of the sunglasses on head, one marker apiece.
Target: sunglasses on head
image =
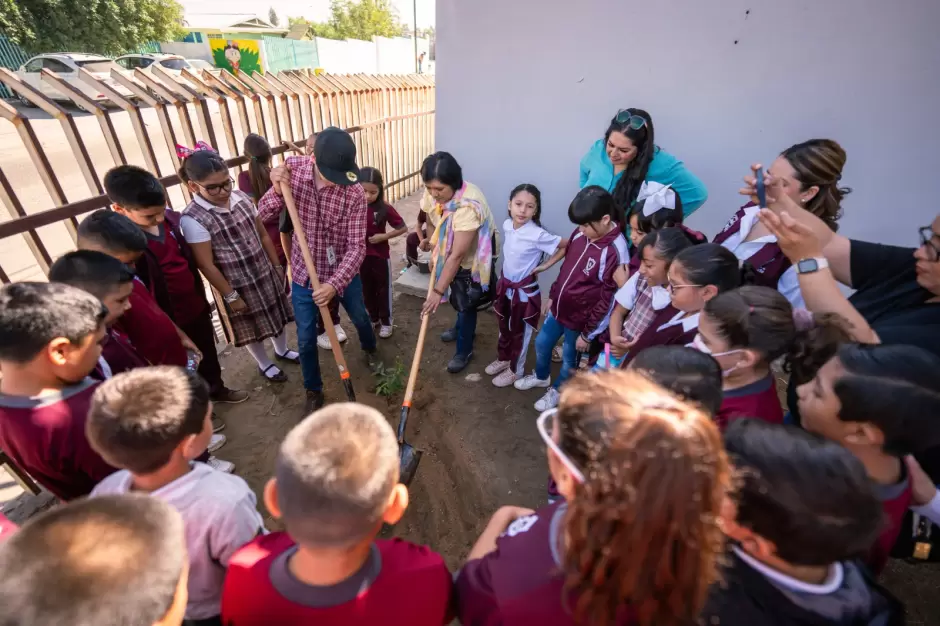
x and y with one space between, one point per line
626 116
214 190
544 425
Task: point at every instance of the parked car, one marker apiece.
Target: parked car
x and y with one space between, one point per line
172 63
66 66
198 65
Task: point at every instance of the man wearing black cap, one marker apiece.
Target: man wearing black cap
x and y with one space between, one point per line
334 216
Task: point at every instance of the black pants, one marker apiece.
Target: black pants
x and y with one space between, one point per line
202 333
209 621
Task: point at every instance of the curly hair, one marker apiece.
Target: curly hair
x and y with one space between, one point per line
819 163
642 531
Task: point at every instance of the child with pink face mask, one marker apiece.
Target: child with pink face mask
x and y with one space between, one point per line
746 330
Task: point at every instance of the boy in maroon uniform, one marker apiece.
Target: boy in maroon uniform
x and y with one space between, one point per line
881 402
335 484
110 561
50 340
636 540
168 267
110 281
803 512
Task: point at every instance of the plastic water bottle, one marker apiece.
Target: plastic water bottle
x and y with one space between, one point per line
192 360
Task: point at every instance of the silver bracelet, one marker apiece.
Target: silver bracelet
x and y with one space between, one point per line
231 297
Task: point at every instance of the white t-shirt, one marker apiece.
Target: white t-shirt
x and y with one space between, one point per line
626 295
523 248
220 516
789 282
193 231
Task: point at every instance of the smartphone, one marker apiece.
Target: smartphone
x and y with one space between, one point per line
761 189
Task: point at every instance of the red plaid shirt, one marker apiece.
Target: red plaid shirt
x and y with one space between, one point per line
333 217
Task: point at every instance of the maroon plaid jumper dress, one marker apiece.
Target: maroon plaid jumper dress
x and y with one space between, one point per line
237 252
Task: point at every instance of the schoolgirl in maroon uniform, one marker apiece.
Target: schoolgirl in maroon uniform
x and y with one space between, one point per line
168 270
809 173
695 276
376 269
233 250
746 330
657 206
880 402
335 484
518 304
637 538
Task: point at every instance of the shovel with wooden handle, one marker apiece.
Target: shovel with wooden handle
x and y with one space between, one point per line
408 455
315 284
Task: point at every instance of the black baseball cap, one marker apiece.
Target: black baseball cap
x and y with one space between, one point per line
335 153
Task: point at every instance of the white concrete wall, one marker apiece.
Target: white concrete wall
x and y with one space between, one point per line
188 50
396 55
346 57
525 87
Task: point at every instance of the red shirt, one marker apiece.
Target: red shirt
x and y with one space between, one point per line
150 330
334 220
120 355
521 583
895 500
45 437
757 400
186 300
377 227
401 584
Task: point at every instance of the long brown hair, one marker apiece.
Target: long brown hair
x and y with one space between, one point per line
819 162
642 531
259 167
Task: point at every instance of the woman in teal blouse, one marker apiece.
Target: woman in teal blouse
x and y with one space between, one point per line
627 156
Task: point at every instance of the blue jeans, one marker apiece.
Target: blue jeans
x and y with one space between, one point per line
466 329
546 341
306 313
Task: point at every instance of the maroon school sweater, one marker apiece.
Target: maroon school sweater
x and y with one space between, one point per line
758 400
895 500
769 262
521 583
401 584
583 294
45 437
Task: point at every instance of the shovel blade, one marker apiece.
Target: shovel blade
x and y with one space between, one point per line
408 459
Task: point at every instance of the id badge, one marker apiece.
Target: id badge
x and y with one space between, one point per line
330 256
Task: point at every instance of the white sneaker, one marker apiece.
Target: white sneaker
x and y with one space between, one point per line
216 442
532 381
223 466
340 334
505 378
496 367
385 331
548 401
557 354
324 341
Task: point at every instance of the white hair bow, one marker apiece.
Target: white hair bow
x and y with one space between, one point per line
657 196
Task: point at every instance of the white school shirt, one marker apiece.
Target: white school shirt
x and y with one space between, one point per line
626 295
523 248
789 282
193 231
688 323
220 515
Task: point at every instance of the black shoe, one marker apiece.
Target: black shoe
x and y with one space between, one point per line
315 401
459 363
229 396
449 335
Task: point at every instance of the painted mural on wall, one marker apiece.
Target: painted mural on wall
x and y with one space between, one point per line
236 55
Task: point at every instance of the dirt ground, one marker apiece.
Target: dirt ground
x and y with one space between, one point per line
481 449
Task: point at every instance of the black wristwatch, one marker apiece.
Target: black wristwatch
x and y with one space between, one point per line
811 265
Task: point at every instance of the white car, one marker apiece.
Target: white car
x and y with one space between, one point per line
172 63
66 66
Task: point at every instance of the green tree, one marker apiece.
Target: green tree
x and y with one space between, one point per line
103 26
355 20
272 17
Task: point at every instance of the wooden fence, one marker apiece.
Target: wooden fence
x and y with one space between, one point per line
390 117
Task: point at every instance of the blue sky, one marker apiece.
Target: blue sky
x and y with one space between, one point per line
318 10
